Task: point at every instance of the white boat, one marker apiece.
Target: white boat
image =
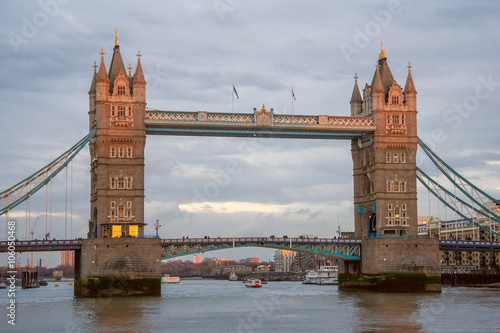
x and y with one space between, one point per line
253 283
327 275
233 277
170 279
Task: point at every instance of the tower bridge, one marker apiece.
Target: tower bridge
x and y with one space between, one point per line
382 128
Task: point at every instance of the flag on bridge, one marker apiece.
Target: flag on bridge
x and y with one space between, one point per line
293 95
234 89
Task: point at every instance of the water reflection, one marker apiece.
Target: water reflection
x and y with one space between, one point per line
381 312
118 314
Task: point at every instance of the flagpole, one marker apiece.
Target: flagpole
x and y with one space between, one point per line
232 97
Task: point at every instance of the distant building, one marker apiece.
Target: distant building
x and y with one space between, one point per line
254 260
197 259
228 269
304 262
57 274
263 269
67 258
462 229
219 262
283 260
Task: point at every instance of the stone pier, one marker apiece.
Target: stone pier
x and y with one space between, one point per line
118 267
395 265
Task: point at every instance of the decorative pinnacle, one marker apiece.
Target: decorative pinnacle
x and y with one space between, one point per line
381 55
139 55
356 77
95 67
102 54
116 37
409 66
129 69
263 107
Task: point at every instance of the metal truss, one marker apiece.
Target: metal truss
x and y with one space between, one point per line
23 190
349 249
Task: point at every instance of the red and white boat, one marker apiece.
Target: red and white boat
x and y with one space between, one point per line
253 283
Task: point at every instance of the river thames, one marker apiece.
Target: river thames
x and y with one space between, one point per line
224 306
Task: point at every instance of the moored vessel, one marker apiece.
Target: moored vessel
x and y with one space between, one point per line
170 279
325 275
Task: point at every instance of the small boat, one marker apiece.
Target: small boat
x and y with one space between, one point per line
3 285
42 283
170 279
233 277
253 283
325 275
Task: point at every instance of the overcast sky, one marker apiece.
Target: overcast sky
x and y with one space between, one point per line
193 52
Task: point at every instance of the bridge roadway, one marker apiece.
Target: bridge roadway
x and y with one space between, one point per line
342 248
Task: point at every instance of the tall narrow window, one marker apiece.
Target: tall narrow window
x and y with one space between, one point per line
121 90
121 152
112 152
121 111
129 152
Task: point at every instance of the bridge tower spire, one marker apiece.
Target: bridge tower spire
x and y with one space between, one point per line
117 106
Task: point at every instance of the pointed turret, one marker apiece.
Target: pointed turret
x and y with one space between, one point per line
377 85
410 93
138 81
101 74
356 100
94 79
139 75
409 86
102 81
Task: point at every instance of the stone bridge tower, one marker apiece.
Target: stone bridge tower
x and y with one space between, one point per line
385 192
115 261
384 163
117 109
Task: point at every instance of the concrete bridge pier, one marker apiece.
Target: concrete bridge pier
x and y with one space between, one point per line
394 265
118 267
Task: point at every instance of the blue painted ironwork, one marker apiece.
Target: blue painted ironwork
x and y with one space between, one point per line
349 249
263 123
23 190
462 183
434 188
